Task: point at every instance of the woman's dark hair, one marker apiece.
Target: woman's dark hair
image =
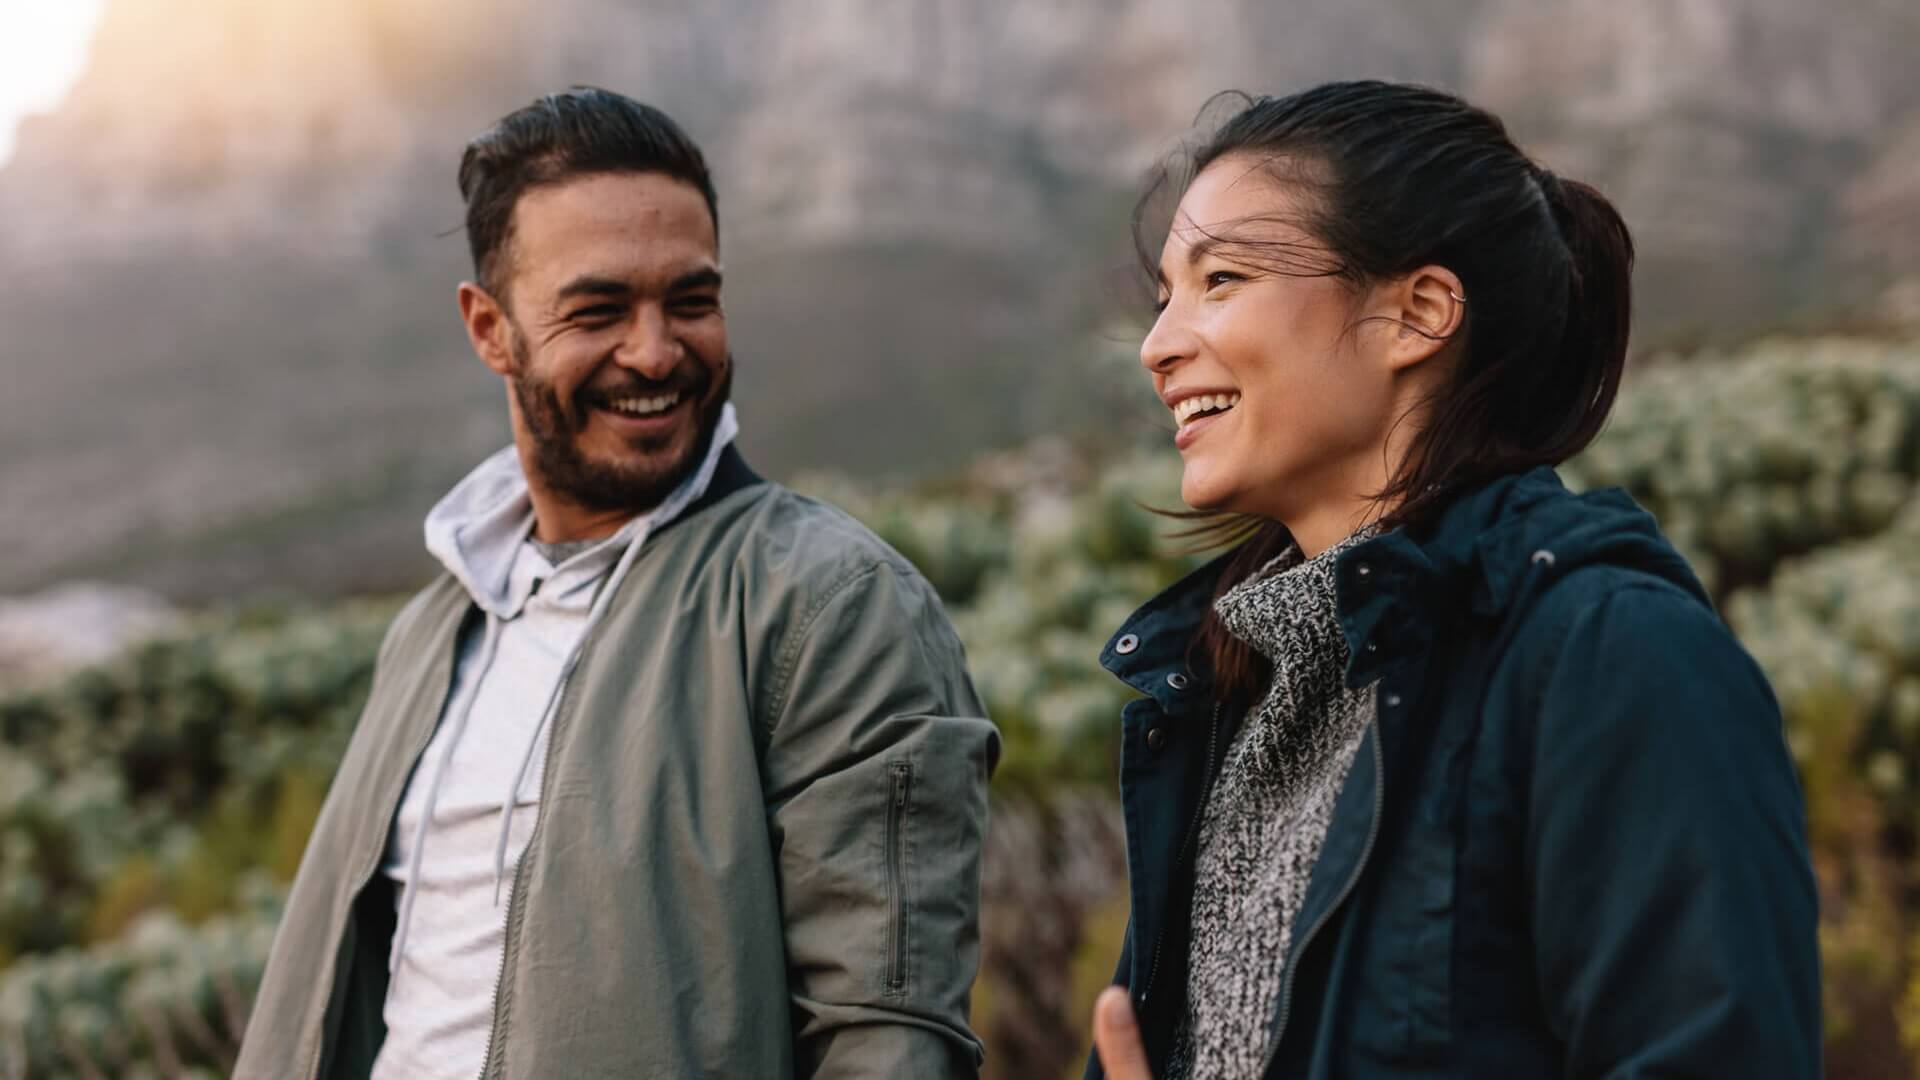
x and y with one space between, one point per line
584 130
1393 178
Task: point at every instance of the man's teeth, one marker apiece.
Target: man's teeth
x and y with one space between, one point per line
1192 407
644 406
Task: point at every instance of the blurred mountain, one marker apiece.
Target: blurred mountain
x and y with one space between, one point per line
228 334
1747 142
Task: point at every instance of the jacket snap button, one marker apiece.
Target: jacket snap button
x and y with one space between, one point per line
1126 644
1156 738
1373 647
1393 701
1543 556
1364 572
1177 681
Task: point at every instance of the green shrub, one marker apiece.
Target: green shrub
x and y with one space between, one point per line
151 809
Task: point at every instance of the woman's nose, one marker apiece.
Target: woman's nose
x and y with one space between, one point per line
1167 343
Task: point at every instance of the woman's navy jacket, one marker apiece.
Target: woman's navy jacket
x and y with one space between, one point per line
1572 845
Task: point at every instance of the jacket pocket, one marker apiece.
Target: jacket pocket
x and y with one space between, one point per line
899 792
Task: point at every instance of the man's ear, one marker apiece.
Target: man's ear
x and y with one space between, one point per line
487 328
1428 307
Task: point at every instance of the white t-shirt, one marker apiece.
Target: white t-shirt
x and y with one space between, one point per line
440 1011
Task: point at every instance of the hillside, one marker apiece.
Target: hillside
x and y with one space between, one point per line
154 806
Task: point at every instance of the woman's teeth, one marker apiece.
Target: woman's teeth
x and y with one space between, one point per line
1195 407
644 406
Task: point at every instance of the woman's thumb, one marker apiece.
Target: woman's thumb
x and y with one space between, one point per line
1116 1036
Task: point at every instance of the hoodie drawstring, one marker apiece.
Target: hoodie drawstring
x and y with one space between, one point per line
512 797
489 645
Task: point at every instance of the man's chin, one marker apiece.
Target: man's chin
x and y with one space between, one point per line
633 474
639 481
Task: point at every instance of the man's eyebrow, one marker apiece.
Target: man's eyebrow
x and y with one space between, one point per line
707 277
588 285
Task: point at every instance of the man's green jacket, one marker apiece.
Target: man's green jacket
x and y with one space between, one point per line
759 838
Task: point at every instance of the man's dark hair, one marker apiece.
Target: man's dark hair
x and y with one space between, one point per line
584 130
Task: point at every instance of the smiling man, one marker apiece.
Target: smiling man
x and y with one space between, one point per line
672 772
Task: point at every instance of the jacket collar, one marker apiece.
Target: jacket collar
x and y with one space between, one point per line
730 474
1491 549
1151 651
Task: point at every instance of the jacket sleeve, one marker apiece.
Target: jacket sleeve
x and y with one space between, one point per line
1673 902
877 764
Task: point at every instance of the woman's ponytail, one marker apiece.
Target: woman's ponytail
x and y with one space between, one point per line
1592 351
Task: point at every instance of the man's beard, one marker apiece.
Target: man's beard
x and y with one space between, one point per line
614 487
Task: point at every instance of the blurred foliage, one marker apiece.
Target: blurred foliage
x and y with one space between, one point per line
1756 457
152 810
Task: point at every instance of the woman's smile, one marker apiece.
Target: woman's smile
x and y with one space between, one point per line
1194 413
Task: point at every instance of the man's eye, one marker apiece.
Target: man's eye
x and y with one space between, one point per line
597 313
696 305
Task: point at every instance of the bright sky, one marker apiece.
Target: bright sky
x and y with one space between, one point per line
43 49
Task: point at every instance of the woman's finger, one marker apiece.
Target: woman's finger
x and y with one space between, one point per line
1117 1038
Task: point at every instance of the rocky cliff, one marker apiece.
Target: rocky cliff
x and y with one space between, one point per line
229 338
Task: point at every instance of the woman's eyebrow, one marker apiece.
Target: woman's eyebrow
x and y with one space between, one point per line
1198 250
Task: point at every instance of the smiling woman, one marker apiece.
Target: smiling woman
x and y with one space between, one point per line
43 50
1444 769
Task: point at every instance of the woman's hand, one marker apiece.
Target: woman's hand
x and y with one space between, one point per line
1117 1038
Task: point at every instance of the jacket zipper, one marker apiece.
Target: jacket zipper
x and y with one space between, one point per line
365 875
1193 828
515 909
902 777
1346 890
500 973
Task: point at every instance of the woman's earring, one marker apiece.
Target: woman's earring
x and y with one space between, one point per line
1456 297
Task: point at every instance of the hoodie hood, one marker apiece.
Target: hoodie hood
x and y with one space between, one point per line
1492 551
477 529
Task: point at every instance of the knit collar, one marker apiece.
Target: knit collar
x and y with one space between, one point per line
1290 602
1289 612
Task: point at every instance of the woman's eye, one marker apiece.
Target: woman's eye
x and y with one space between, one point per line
1221 277
1160 305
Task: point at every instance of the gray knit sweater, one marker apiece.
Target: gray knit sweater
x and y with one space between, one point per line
1267 814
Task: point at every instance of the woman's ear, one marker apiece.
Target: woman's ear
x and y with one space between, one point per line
488 328
1428 308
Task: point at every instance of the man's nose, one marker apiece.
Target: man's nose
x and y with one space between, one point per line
651 349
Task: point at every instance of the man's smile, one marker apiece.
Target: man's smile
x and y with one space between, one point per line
639 417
